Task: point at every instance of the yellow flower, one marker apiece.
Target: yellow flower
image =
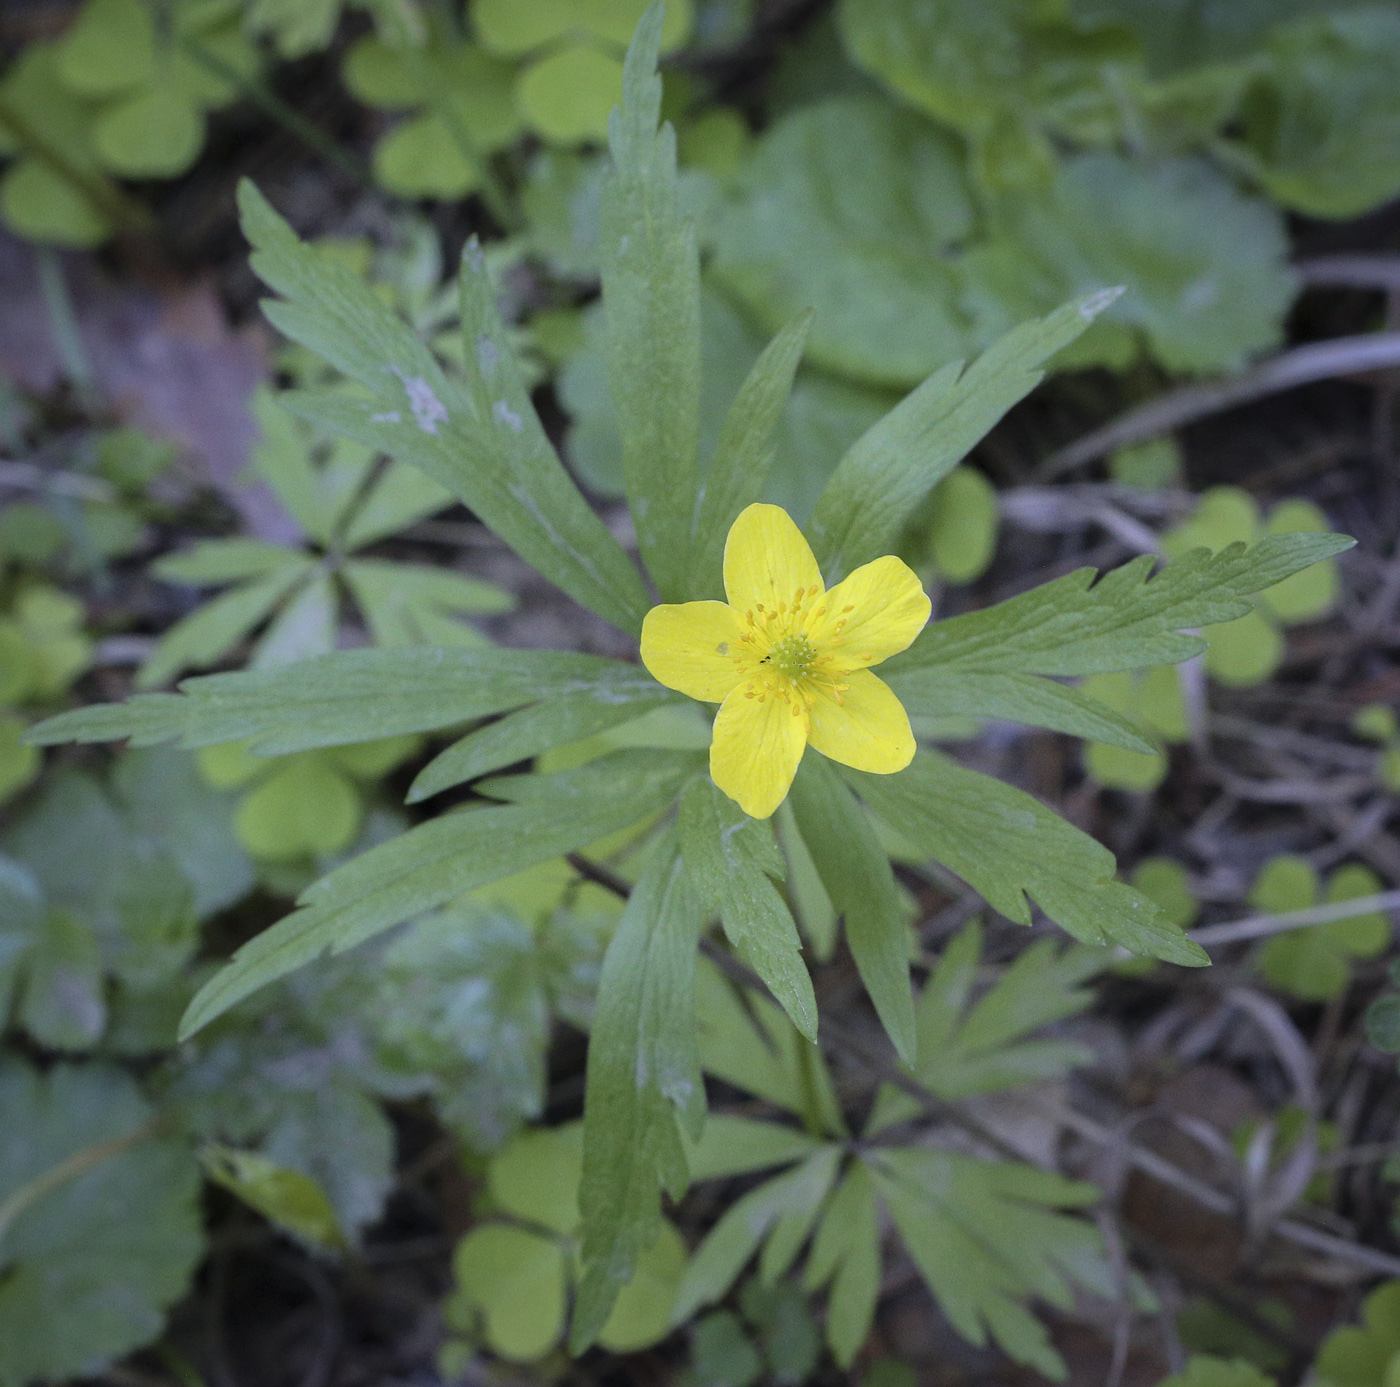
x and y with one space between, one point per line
789 661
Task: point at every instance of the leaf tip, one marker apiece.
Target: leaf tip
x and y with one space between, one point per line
1096 303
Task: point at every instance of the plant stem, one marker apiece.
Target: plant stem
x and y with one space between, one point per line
63 321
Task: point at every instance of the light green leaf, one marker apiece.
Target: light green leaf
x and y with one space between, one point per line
1009 846
41 205
732 861
224 561
939 691
732 1145
567 95
303 629
207 635
348 696
643 1077
282 457
984 1237
893 466
155 133
443 859
287 1198
541 727
963 534
1124 621
967 1048
515 27
110 48
856 873
846 1252
844 208
398 497
304 808
641 1315
719 1259
744 453
1204 1370
748 1041
85 1281
536 1177
1313 592
517 1278
421 158
480 438
408 604
651 299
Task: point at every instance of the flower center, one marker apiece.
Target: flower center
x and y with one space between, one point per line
793 655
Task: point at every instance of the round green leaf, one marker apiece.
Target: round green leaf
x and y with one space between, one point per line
1375 721
1313 592
219 32
420 158
963 535
1120 769
1243 652
30 533
1150 465
1304 964
1203 1370
230 764
717 140
19 764
1389 768
90 1266
1287 882
370 760
306 807
1383 1023
536 1176
482 90
1363 936
1223 515
41 205
1163 881
379 75
567 96
156 133
19 665
517 1279
110 48
642 1312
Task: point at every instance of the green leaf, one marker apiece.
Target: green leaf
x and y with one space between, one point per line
856 873
967 1048
1320 122
732 861
517 1279
1126 620
207 635
984 1238
515 27
641 1315
536 1177
643 1075
744 453
651 298
62 1004
893 466
86 1282
422 158
1009 846
156 132
939 691
963 534
347 696
731 1145
303 629
1204 1370
287 1198
844 207
443 859
567 95
1361 1353
305 808
846 1252
110 48
406 604
748 1041
481 438
541 727
400 496
721 1354
222 561
727 1247
1204 264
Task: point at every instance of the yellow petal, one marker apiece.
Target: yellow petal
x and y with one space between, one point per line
868 730
757 744
766 560
884 606
692 647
